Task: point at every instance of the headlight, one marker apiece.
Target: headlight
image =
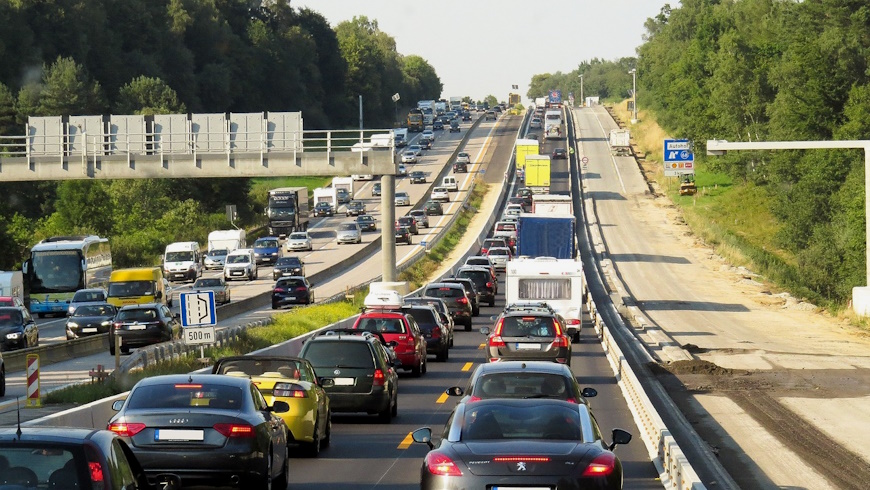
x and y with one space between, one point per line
107 323
72 325
276 271
13 336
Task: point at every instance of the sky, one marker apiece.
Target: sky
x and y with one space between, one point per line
483 47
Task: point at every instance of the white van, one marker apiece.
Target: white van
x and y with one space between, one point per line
450 183
182 261
240 264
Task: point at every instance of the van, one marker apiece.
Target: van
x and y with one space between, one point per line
137 286
182 261
241 264
450 183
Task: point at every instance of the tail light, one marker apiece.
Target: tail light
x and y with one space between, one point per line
474 398
302 288
279 290
489 284
514 459
95 469
379 379
126 429
484 251
116 326
602 465
441 465
462 301
436 332
561 341
289 390
572 321
495 339
235 430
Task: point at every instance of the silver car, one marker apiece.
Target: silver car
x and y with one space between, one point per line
299 240
349 233
402 199
421 217
216 285
409 157
215 259
463 157
499 257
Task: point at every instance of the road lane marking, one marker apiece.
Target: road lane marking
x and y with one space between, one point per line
443 398
467 366
406 442
481 346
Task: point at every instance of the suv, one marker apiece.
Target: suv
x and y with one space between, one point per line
361 368
240 264
420 217
527 335
409 222
470 291
401 331
439 337
457 301
141 325
440 306
482 279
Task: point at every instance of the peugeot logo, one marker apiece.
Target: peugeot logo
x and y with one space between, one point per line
521 466
337 372
178 421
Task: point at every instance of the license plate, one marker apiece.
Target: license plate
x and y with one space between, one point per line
521 488
289 297
344 381
528 346
177 435
237 273
89 330
135 327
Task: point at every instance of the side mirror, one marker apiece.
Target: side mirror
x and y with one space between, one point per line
589 392
424 436
494 318
393 344
455 391
283 407
619 436
484 330
117 404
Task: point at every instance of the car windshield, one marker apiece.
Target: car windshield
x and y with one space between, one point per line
498 251
298 236
238 259
131 288
186 396
266 243
503 421
523 384
425 318
94 310
210 282
287 368
347 227
218 253
289 261
401 194
365 217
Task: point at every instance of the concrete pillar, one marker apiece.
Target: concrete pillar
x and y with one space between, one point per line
388 220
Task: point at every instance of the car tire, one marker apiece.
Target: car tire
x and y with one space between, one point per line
264 481
395 410
417 370
327 435
492 302
111 347
312 449
442 356
274 306
125 350
283 478
3 383
468 325
386 416
425 365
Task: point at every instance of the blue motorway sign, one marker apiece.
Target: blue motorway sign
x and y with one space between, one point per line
197 309
679 158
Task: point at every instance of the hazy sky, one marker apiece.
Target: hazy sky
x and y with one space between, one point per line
482 47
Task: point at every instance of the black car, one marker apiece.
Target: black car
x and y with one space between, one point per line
204 429
323 208
425 143
466 116
288 266
418 177
141 325
470 290
68 458
560 153
483 281
17 328
531 443
362 370
527 335
460 167
523 379
439 337
410 223
433 208
355 208
454 126
437 125
292 290
367 222
403 235
90 319
454 297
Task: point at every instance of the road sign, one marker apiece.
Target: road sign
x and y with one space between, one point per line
198 335
197 309
679 158
585 160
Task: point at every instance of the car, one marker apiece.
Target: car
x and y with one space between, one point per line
490 243
360 368
376 189
482 277
18 330
560 153
298 240
143 325
440 194
500 256
438 125
418 177
470 290
216 285
85 297
288 266
292 290
355 208
362 177
486 263
523 379
450 183
527 335
454 297
417 149
403 235
428 135
460 167
348 232
489 116
401 170
290 380
408 222
436 331
266 250
524 192
440 306
463 157
342 196
420 217
385 314
215 259
510 218
409 157
466 116
425 143
433 208
515 209
506 230
402 198
367 222
524 202
58 457
204 429
90 319
323 208
240 264
530 443
454 126
536 123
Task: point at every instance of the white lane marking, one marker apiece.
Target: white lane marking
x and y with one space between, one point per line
613 160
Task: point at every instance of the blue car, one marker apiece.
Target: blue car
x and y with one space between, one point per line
266 250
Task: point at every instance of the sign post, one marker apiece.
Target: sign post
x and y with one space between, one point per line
679 158
198 319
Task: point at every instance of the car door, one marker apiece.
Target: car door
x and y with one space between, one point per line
277 430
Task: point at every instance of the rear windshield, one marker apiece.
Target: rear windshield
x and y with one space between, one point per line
523 385
382 325
444 292
480 278
424 317
290 283
347 227
339 354
264 243
185 396
27 463
137 315
528 326
520 422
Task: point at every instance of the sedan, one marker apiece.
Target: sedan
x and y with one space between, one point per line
440 194
217 285
463 157
560 153
523 379
214 259
288 266
409 157
531 443
141 325
402 198
420 217
90 319
204 429
349 233
299 240
428 134
367 222
291 380
292 290
355 208
418 177
499 257
17 328
402 170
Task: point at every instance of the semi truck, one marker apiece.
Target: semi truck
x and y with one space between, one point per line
415 120
537 173
228 240
549 204
557 282
620 142
287 210
524 148
553 124
552 235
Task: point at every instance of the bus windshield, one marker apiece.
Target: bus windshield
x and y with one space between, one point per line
56 271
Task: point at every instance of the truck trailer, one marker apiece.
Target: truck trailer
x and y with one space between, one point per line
557 282
326 194
620 142
12 285
549 204
553 235
287 210
228 240
537 173
523 148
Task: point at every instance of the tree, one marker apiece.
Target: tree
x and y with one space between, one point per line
69 90
149 96
491 100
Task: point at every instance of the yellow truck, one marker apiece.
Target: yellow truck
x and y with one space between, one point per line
138 286
538 173
524 148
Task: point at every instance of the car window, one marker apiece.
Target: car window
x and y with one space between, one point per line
27 464
137 315
330 354
257 397
187 396
347 227
207 283
120 468
425 318
264 243
382 325
522 385
444 292
290 283
520 422
94 310
238 259
530 326
300 236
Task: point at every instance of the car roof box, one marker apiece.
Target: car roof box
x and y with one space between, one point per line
384 299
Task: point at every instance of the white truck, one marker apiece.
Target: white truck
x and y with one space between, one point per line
326 194
557 282
549 204
228 240
12 285
182 261
620 142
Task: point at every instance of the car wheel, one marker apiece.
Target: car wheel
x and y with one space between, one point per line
24 343
264 481
2 383
442 356
125 350
40 315
386 416
274 306
417 370
312 449
492 302
395 411
327 435
468 325
112 347
283 478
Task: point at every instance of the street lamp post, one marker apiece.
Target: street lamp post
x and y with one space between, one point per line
582 99
396 103
634 93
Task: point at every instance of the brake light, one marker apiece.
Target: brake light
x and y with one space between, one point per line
602 465
462 301
484 251
489 284
561 341
289 390
570 400
514 459
235 430
474 398
188 386
279 290
302 288
126 429
572 321
436 332
379 379
95 468
441 465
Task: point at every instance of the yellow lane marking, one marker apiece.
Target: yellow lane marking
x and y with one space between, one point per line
406 442
443 398
481 346
467 366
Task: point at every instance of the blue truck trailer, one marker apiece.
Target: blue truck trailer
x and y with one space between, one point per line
552 235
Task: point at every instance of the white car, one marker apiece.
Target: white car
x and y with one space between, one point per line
421 217
402 199
349 233
402 169
299 240
409 157
440 194
513 209
499 257
479 260
240 264
536 123
428 133
362 177
463 157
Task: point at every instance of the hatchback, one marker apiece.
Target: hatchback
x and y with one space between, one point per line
420 217
440 194
463 157
470 290
454 296
342 196
367 222
402 199
460 167
409 157
399 330
90 319
403 235
214 259
349 233
141 325
560 153
288 266
298 240
438 336
18 330
523 379
323 208
416 149
440 306
410 223
500 256
218 287
418 177
433 208
376 189
491 243
292 290
428 134
483 280
527 336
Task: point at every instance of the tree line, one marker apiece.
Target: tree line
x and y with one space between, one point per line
65 57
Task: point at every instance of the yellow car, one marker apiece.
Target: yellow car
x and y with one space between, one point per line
291 380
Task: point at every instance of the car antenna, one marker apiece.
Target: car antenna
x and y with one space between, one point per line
18 413
189 378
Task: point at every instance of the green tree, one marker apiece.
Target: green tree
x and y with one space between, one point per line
146 95
69 90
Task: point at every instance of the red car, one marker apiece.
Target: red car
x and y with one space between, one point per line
386 317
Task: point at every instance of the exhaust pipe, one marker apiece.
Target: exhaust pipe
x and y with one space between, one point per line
235 479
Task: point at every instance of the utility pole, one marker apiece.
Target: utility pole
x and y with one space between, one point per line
582 99
634 93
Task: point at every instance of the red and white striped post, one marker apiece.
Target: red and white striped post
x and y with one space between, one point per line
33 400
